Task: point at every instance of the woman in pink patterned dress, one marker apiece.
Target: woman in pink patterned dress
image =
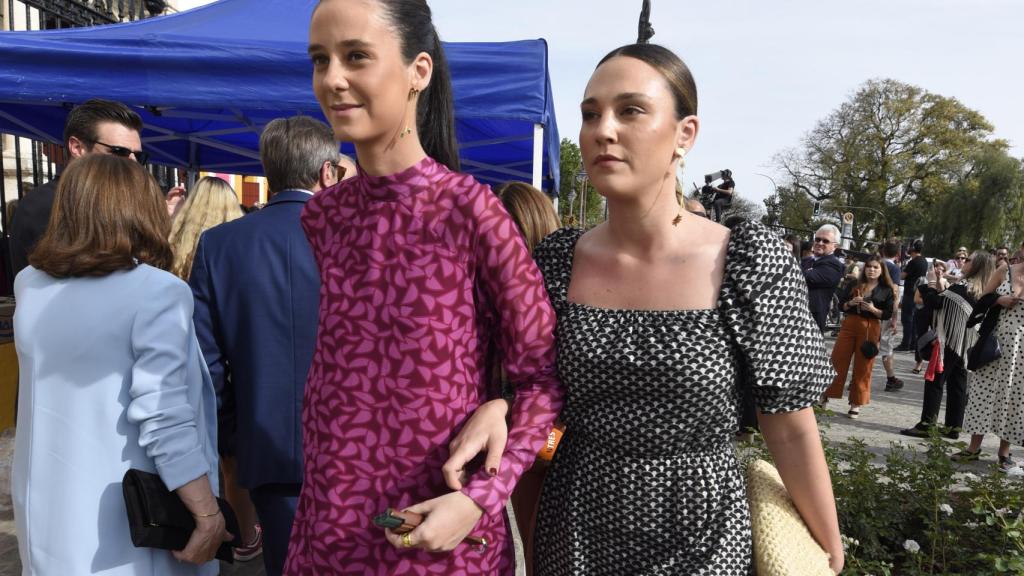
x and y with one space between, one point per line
423 276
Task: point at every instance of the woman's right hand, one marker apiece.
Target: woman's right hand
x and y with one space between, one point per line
1008 301
202 546
487 432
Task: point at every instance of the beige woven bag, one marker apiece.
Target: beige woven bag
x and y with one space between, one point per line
783 546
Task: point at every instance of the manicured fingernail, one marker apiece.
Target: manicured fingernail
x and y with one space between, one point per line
492 471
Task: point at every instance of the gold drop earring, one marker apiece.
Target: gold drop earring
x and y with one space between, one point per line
412 94
681 154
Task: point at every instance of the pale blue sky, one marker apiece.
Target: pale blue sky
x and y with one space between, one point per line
767 70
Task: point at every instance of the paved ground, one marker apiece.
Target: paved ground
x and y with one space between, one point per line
878 426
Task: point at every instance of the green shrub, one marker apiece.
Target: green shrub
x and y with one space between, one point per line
914 512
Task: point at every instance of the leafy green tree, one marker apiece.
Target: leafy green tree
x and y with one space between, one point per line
893 154
576 196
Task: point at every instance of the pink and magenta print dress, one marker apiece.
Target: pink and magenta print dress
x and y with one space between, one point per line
423 276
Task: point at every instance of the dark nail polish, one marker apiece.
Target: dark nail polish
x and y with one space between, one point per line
492 471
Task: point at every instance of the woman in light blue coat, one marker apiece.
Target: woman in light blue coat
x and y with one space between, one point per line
111 378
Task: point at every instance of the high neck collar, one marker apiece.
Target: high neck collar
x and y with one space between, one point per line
401 184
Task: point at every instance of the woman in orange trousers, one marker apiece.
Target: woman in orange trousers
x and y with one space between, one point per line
867 303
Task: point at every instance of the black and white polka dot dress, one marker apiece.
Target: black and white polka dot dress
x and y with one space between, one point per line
646 480
995 393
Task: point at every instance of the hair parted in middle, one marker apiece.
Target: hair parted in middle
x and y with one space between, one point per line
211 202
883 278
676 73
292 151
531 210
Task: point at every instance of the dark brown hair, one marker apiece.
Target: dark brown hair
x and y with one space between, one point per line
108 215
83 120
531 210
413 23
882 279
677 75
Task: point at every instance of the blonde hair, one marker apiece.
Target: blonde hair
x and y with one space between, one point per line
982 267
531 210
211 202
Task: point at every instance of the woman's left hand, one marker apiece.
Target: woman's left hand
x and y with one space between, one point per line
447 521
485 432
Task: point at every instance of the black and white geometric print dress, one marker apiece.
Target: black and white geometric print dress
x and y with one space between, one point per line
646 479
995 399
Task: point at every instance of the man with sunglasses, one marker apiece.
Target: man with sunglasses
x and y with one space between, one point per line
95 127
955 264
823 271
259 272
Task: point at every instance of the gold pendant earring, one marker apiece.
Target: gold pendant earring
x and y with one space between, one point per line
412 94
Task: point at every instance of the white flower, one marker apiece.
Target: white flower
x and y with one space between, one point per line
946 508
1002 512
971 524
911 546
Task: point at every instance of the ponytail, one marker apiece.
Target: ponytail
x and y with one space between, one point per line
435 112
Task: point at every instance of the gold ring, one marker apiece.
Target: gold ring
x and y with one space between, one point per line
407 540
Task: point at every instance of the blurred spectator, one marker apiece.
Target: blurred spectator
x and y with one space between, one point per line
805 249
947 358
823 271
111 379
793 241
94 127
723 197
922 311
956 263
995 404
889 251
1002 255
866 305
695 207
174 199
211 202
531 210
914 270
259 272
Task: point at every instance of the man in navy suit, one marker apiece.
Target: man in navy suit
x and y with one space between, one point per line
257 292
823 271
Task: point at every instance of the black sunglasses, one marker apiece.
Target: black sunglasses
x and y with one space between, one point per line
140 156
822 241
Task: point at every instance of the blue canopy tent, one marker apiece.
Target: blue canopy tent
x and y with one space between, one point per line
206 81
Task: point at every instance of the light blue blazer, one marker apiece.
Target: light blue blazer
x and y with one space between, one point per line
111 378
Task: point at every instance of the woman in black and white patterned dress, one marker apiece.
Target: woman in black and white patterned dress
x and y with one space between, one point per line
662 317
995 402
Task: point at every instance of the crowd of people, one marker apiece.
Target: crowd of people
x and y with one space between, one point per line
947 308
394 335
353 345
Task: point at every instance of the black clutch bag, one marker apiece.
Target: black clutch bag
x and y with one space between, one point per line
157 518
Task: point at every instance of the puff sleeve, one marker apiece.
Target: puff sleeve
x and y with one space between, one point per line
766 308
